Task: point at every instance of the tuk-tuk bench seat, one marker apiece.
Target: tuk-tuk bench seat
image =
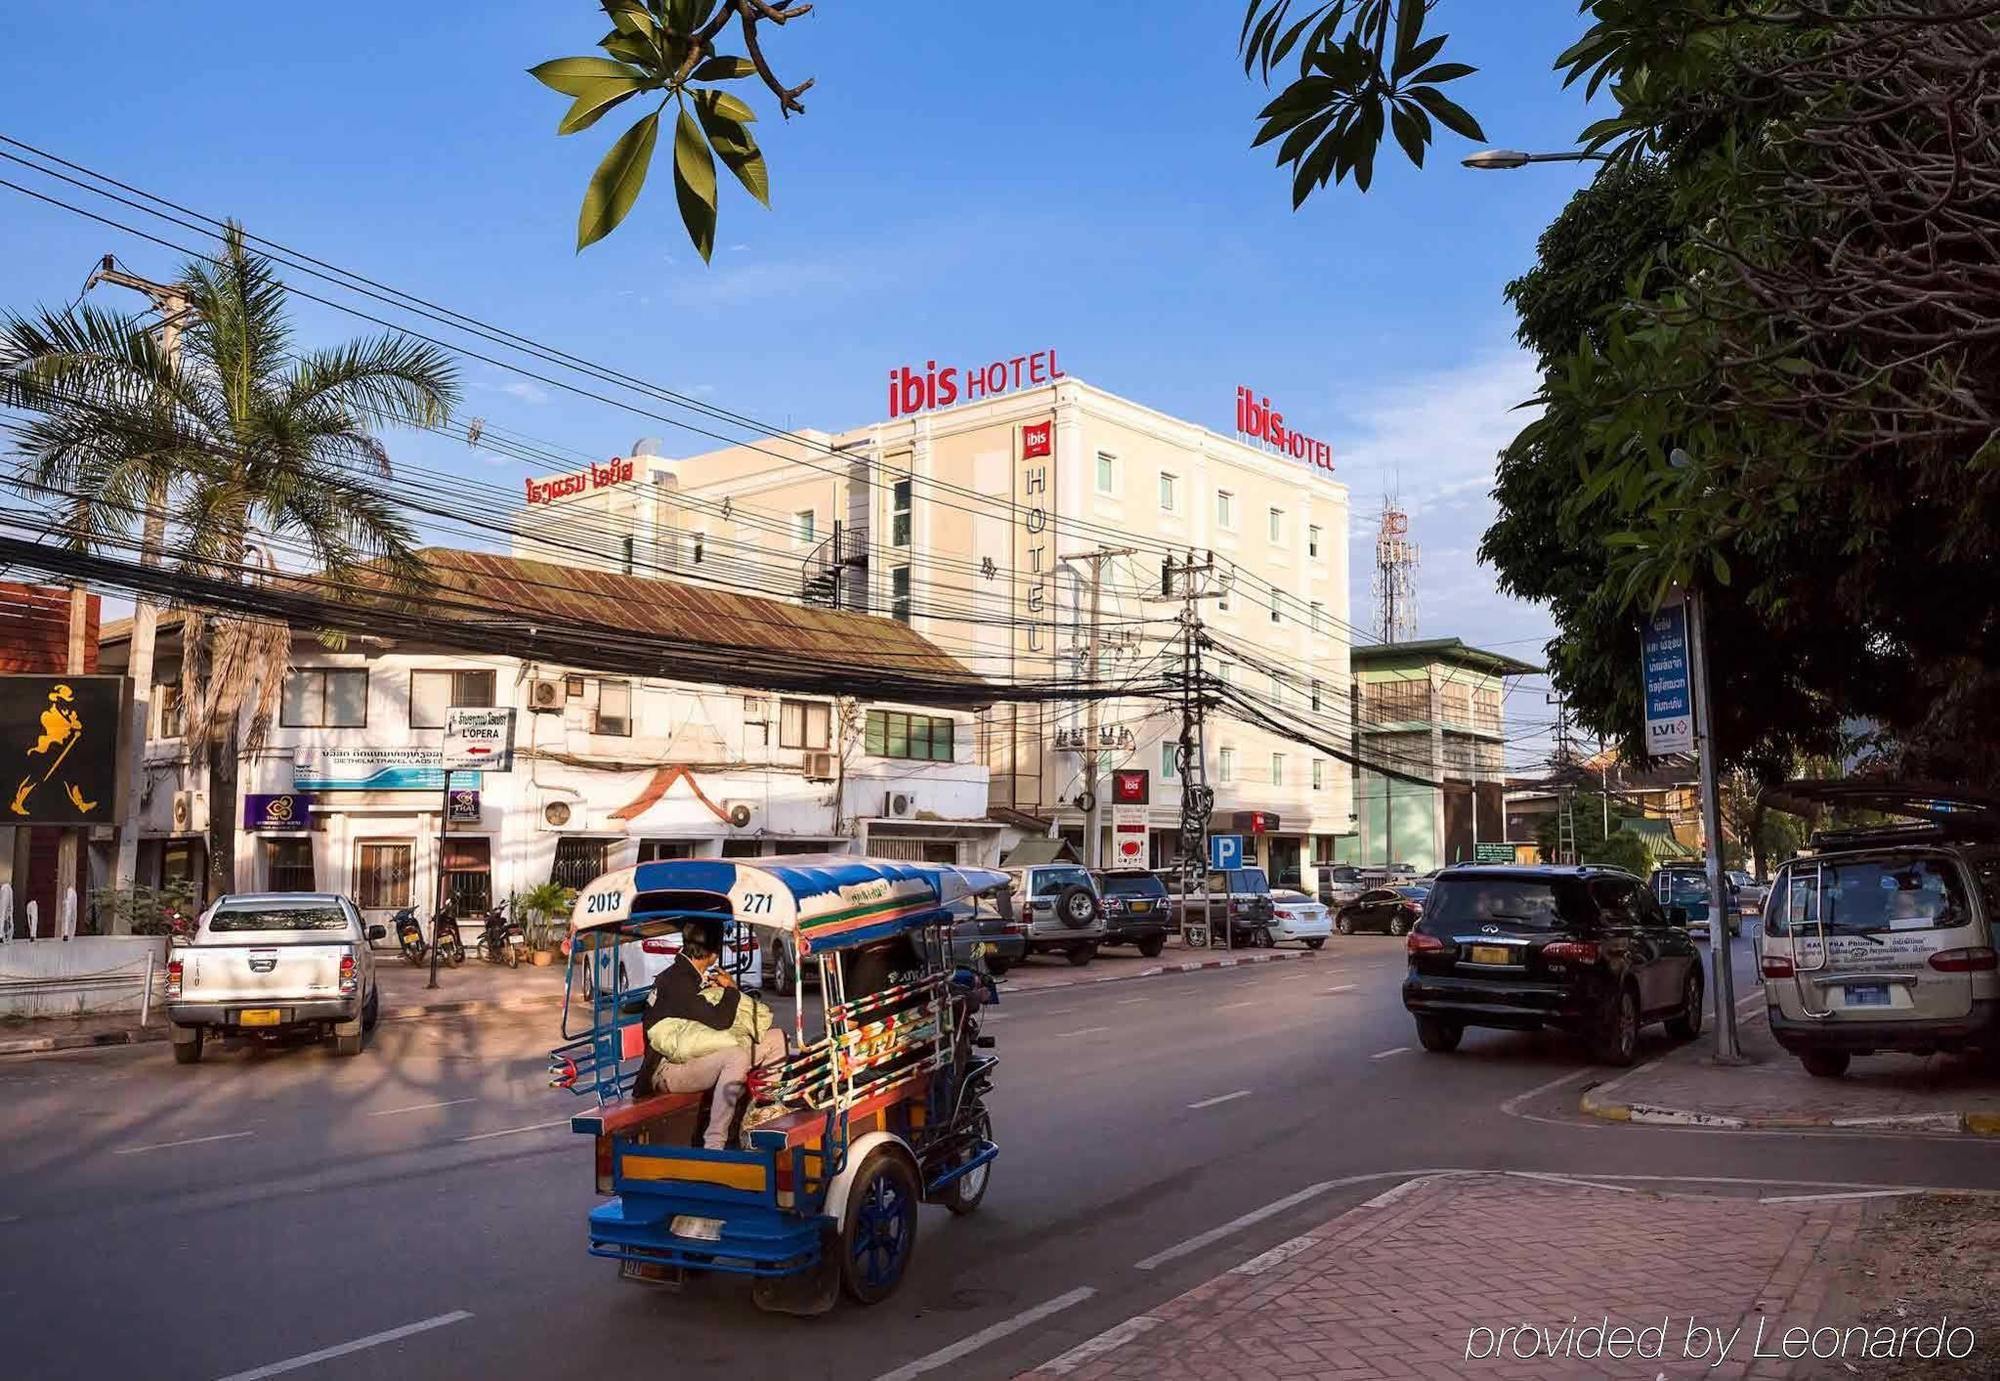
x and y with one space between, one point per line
635 1114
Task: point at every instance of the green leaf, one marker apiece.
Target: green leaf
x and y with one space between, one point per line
577 76
1445 72
1720 567
631 48
733 142
1409 27
722 67
729 107
693 162
586 111
630 16
616 183
1448 112
697 214
1408 133
1300 139
1418 56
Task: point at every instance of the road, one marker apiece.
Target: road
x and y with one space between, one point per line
233 1218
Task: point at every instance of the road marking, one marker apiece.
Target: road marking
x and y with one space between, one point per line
1275 1257
1058 1011
515 1131
1234 1225
419 1107
191 1141
1569 1179
1395 1192
1227 1005
1085 1031
1385 1054
1108 1341
1343 988
972 1342
1829 1198
1220 1098
389 1335
1128 1001
1539 1089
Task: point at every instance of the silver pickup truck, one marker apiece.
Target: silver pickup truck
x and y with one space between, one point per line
265 963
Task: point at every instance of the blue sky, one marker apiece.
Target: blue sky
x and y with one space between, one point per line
969 181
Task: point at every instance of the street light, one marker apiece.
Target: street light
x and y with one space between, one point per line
1494 159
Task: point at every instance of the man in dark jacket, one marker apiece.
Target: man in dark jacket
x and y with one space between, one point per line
703 1033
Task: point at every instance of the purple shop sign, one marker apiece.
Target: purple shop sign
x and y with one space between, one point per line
286 810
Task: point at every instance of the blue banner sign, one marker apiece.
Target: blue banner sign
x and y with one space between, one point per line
1669 682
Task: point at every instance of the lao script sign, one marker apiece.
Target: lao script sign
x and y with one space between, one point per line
1669 700
478 740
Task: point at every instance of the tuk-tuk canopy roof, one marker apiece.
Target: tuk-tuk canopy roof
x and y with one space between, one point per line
828 901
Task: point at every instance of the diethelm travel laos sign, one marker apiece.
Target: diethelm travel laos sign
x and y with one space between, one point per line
1663 655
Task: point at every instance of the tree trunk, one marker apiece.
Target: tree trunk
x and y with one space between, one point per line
224 765
1757 840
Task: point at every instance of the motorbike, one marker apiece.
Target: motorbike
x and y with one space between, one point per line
410 936
444 932
502 940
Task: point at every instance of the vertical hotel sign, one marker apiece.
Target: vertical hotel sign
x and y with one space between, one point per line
1664 660
1034 563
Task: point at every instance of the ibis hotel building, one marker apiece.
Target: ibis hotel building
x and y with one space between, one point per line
1018 518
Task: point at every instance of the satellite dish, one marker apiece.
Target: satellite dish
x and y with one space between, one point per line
648 446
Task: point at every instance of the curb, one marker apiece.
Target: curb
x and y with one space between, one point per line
1968 1123
1161 970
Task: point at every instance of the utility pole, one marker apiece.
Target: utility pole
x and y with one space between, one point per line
171 301
1093 814
1564 757
1186 583
1727 1050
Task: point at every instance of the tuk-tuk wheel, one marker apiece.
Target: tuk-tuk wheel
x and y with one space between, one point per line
963 1194
880 1234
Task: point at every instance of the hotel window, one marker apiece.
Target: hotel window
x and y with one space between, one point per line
899 593
1277 769
802 526
1319 774
626 545
899 514
1318 613
1106 465
1277 525
698 548
1276 617
1169 761
382 881
1315 695
1225 509
1169 500
434 692
805 724
923 737
1312 541
580 862
168 699
1225 765
613 716
321 699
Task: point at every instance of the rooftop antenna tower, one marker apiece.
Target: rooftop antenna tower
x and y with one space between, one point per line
1396 559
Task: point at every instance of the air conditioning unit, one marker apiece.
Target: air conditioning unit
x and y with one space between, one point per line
560 814
546 697
899 805
740 813
190 812
819 767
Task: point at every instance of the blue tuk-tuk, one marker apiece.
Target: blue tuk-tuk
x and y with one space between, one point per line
883 1109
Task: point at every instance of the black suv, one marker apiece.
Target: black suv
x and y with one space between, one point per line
1135 911
1587 950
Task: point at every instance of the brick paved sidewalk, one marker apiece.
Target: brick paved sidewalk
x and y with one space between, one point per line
1938 1093
1395 1287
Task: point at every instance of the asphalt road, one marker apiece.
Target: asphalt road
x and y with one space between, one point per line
233 1218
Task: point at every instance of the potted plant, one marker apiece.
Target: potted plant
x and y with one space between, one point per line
546 908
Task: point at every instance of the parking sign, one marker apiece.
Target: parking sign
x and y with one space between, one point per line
1225 851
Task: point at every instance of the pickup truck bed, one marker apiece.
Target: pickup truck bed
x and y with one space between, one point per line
309 967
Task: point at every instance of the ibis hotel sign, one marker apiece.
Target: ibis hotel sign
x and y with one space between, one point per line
1258 420
591 478
919 390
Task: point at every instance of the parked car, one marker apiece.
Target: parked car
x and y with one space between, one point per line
1062 909
1686 885
981 926
1390 910
641 961
1242 896
1296 916
1582 949
1340 883
1883 946
1135 910
1750 893
271 963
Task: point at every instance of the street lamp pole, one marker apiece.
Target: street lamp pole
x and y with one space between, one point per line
1727 1050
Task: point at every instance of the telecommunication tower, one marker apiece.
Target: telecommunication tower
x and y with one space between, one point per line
1396 560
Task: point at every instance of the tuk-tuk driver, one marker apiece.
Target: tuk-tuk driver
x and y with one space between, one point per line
703 1032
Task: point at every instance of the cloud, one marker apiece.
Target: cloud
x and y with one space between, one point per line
526 391
713 287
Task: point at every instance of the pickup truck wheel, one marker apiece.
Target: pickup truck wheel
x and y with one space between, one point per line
372 1013
1152 946
187 1045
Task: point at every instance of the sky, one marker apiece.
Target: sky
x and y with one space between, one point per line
969 181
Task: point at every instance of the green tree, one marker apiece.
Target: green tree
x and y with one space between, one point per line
259 449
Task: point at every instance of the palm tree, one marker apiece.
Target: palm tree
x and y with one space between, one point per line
254 447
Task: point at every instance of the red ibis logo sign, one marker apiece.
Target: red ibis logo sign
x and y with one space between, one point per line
913 390
1129 786
1257 419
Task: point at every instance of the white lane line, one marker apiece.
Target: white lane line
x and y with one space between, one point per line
515 1131
1275 1257
1571 1180
388 1335
1395 1192
1128 1001
420 1107
1829 1198
191 1141
1219 1098
1110 1340
972 1342
1227 1005
1538 1090
1084 1031
1234 1225
1343 988
1385 1054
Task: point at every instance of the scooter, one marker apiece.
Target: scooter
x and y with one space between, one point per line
444 931
410 936
502 941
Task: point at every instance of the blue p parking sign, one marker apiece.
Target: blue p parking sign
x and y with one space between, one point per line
1225 851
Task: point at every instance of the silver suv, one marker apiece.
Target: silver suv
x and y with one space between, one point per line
1062 907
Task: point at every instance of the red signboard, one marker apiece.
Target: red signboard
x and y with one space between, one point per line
1255 417
1038 439
1129 786
912 390
1255 822
614 471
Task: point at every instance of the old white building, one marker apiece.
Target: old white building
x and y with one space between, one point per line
345 792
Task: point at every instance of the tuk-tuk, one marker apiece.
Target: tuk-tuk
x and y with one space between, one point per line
881 1109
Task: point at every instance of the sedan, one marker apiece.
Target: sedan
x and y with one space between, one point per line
1391 910
1296 916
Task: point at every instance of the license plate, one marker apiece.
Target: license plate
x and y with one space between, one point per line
700 1229
258 1016
1492 954
1868 994
1139 906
